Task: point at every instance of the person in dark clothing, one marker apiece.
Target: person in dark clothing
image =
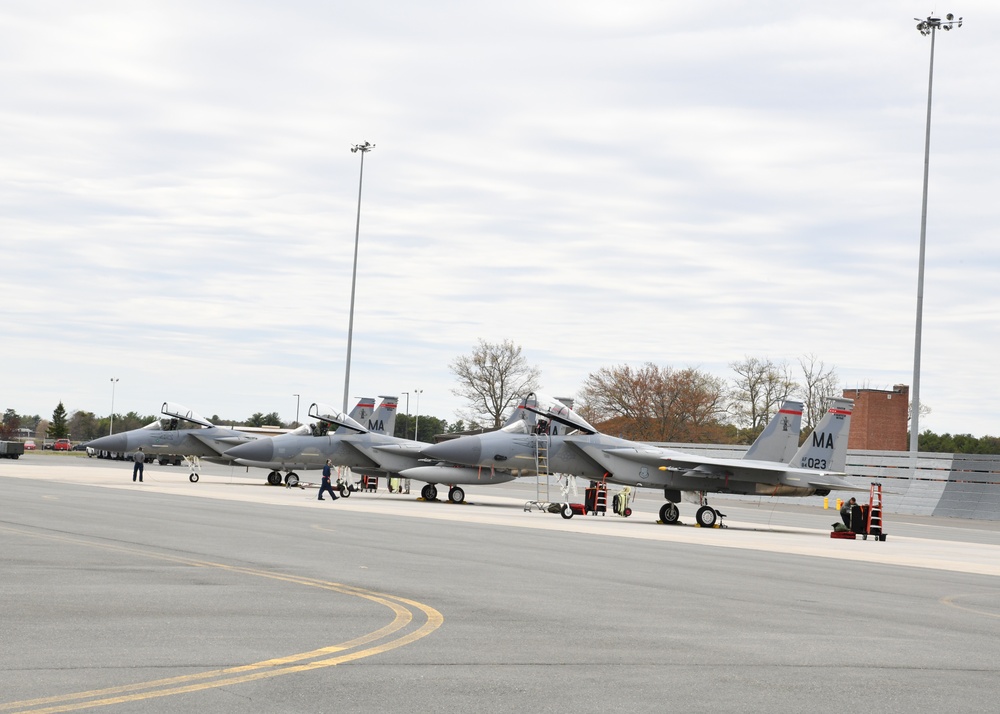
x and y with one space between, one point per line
326 485
845 512
140 463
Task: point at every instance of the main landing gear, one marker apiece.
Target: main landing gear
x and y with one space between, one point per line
669 513
291 479
706 516
456 494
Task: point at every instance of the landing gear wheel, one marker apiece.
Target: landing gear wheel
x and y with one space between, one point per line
707 516
627 512
429 492
567 511
274 478
345 491
292 480
669 513
456 494
193 478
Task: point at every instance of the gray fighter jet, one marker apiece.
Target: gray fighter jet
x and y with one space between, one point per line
774 465
180 432
364 449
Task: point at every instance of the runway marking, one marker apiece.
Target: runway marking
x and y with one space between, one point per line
372 643
949 600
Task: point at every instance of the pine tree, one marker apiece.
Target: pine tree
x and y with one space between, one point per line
58 429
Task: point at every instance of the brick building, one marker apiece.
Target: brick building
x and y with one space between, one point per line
880 419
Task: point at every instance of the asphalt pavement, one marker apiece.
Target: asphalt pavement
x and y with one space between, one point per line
231 595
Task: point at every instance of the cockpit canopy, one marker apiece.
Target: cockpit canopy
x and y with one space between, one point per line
326 413
176 416
179 411
540 414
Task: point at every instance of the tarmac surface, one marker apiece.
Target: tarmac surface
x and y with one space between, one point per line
228 595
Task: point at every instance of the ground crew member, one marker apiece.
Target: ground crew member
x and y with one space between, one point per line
846 511
326 486
140 462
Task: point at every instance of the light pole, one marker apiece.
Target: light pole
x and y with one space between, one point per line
416 424
296 409
926 27
364 149
111 427
406 435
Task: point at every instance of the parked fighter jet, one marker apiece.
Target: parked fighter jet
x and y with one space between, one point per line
363 449
180 432
766 469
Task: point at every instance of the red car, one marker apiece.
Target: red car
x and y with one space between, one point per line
62 445
29 445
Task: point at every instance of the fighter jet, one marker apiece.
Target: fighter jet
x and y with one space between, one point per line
774 465
366 450
180 432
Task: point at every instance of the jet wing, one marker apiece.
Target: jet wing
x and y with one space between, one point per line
209 442
740 469
363 460
582 448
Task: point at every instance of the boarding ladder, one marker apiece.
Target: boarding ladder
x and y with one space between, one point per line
542 467
874 524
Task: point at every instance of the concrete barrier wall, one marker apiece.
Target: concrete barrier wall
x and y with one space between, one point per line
955 485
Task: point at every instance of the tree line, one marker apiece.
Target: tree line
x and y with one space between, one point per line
646 403
662 403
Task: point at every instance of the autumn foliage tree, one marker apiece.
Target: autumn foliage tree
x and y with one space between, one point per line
654 403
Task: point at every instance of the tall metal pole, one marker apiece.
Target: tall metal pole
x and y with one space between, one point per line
926 27
296 409
364 149
406 433
416 424
111 427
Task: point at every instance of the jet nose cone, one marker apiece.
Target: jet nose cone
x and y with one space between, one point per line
463 450
260 450
114 442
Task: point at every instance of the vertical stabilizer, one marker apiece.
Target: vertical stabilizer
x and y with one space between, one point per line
383 421
780 438
360 414
826 448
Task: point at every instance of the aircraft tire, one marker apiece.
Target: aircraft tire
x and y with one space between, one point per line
566 511
429 492
456 494
669 513
292 480
707 516
193 478
627 512
274 478
345 490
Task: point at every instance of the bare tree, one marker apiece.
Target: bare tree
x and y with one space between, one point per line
759 389
653 403
492 380
819 384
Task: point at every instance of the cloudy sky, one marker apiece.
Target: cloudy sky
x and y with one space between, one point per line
602 183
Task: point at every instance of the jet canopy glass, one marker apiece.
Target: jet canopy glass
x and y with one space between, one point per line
547 408
173 414
326 413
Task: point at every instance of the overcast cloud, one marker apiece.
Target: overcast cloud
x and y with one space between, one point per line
602 183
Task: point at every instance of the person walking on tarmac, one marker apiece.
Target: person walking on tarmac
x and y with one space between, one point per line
140 462
326 486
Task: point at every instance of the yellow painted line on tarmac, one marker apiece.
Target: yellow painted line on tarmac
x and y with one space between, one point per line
403 610
951 601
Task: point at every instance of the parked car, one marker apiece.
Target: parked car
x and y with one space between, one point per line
62 445
79 447
29 445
